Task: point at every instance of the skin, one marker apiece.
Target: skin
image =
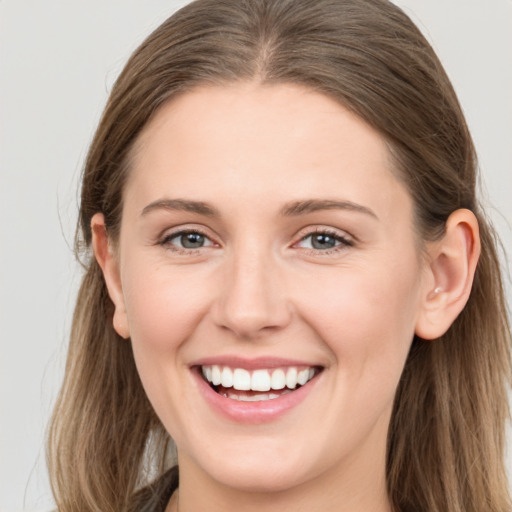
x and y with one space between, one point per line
258 287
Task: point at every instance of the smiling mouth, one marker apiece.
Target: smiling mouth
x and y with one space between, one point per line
257 385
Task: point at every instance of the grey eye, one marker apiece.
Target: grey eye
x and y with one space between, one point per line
320 241
323 241
187 240
190 240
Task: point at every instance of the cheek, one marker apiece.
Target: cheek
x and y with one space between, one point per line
163 306
366 318
366 314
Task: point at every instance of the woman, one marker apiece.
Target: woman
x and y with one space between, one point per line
288 274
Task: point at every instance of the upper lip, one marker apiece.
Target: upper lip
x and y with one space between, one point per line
267 362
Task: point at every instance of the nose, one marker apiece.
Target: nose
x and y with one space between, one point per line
252 299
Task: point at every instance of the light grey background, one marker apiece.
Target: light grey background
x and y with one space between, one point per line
58 61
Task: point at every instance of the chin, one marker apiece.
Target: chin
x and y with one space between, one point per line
263 479
261 472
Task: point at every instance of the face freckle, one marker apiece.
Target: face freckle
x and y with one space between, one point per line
263 229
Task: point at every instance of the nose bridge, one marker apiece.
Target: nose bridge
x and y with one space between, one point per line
253 298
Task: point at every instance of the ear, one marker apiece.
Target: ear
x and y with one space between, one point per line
109 264
451 267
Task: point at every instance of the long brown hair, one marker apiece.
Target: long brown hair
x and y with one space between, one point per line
446 438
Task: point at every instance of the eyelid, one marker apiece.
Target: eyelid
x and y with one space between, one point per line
321 229
169 234
345 239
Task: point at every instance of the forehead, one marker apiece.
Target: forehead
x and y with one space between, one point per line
262 143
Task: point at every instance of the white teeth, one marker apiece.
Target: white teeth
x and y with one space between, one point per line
207 373
227 377
216 375
241 379
291 378
303 377
253 398
259 380
278 379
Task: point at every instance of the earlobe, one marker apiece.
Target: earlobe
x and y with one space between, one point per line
107 260
451 268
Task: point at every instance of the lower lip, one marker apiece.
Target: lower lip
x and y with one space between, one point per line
263 411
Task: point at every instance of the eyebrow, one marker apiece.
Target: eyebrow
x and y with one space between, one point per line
292 209
186 205
313 205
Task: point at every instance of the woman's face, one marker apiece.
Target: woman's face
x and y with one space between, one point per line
266 242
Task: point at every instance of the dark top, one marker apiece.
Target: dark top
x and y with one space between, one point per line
154 497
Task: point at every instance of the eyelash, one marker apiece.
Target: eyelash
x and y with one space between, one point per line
166 241
343 241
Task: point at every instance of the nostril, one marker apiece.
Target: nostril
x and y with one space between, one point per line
251 302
